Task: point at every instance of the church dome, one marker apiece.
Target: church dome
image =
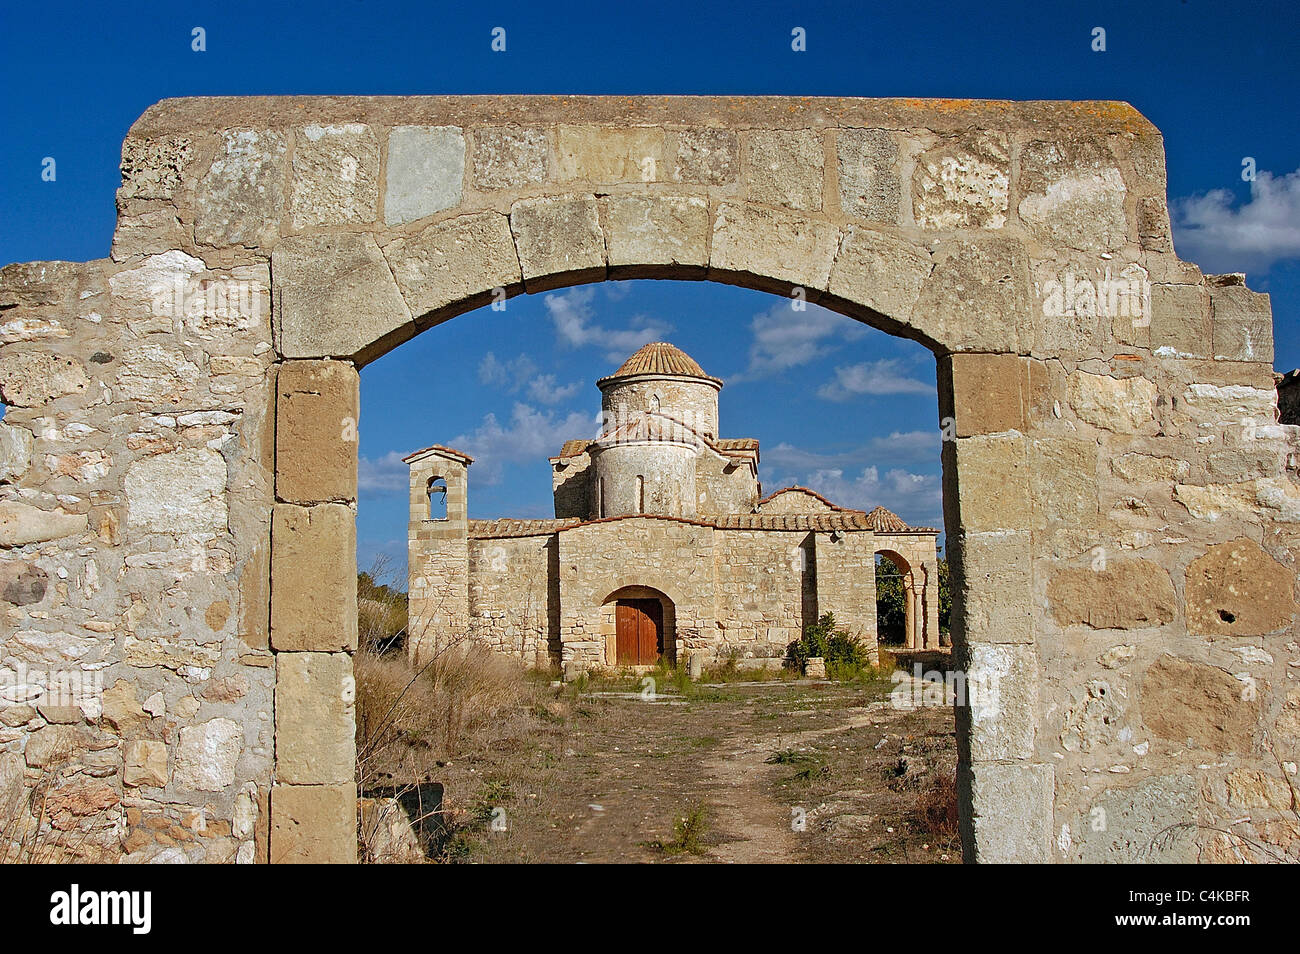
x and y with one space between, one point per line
659 358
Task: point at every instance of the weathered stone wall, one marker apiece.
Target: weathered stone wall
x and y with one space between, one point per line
654 477
673 557
135 526
572 481
511 594
758 591
724 485
693 403
1120 501
845 575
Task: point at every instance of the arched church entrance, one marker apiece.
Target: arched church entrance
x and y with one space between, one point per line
643 621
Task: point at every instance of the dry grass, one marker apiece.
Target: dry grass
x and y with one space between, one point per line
409 720
936 808
28 835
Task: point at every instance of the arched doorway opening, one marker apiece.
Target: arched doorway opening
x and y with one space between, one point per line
639 627
907 597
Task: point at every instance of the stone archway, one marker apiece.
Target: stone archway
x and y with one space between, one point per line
968 226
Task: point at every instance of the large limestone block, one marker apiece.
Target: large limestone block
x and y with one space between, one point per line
606 155
508 157
336 298
456 262
154 168
313 578
963 183
1139 824
1190 703
1122 405
707 156
1063 481
785 167
985 393
658 230
1148 468
21 524
1000 716
315 724
1072 194
33 378
559 240
335 176
207 754
1242 323
776 248
1228 404
1010 812
992 598
882 272
1180 321
240 199
317 406
183 491
992 483
314 824
1238 589
158 375
870 187
977 297
425 172
1113 594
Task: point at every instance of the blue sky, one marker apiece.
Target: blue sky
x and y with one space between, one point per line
1218 80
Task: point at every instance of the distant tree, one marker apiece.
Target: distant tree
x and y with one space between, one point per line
891 608
945 596
891 611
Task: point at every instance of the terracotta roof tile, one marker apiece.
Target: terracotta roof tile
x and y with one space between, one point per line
886 521
573 448
849 521
450 451
659 357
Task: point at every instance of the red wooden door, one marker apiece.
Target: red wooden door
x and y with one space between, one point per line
639 624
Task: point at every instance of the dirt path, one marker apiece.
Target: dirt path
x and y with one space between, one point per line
614 784
743 781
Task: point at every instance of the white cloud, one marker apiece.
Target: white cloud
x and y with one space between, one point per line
575 324
1263 230
510 374
384 475
917 498
785 338
886 376
897 447
529 435
520 374
544 389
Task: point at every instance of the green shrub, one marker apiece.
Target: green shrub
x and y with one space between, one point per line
844 653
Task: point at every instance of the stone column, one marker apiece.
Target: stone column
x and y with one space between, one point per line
1007 795
909 611
929 614
314 613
